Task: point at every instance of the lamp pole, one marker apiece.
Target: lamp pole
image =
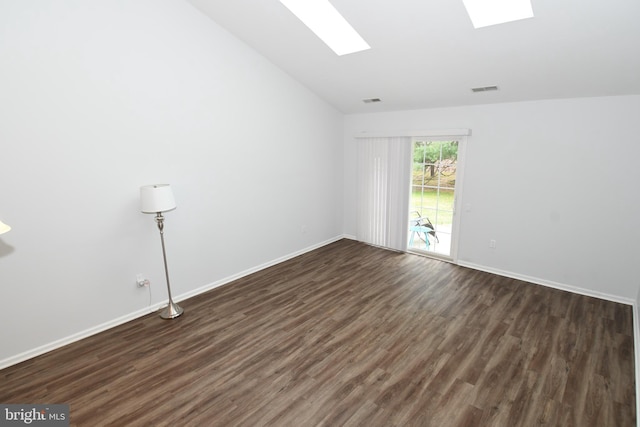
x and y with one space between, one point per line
173 309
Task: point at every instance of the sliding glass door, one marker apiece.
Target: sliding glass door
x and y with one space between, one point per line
432 214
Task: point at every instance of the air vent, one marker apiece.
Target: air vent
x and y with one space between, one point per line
484 89
371 100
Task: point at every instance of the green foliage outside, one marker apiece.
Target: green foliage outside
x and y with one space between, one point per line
425 203
434 165
429 152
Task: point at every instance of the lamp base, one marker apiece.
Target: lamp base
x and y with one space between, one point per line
171 311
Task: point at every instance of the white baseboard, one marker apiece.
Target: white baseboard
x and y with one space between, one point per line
252 270
549 283
13 360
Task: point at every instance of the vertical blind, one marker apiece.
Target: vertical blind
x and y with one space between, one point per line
384 174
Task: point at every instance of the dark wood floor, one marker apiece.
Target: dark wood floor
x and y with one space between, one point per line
352 335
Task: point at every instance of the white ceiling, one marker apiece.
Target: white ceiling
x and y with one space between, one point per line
426 53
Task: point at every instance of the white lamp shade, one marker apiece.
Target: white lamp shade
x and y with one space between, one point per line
4 227
156 198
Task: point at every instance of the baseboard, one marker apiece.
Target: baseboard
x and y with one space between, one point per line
249 271
538 281
549 283
13 360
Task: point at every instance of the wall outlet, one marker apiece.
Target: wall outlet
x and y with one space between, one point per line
141 281
492 244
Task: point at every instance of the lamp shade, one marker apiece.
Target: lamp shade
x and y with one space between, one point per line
4 227
156 198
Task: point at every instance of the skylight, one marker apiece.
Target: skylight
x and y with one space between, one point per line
491 12
327 23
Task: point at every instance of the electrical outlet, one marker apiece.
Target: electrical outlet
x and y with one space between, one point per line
492 244
141 281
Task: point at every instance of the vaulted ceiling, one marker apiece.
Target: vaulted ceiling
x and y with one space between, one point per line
426 53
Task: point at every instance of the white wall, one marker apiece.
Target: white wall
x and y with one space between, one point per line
555 183
101 97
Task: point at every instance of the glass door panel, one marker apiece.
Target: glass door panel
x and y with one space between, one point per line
433 196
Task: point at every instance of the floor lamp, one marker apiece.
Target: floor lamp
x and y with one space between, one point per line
156 199
4 227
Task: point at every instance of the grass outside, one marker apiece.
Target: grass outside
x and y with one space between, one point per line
425 202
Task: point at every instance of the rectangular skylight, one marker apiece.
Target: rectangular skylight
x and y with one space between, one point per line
491 12
327 23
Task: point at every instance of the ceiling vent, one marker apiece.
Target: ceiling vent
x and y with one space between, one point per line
371 100
484 89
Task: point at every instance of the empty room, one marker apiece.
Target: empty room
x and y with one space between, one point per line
300 213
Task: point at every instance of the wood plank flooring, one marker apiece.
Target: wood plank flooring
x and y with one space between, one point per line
352 335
